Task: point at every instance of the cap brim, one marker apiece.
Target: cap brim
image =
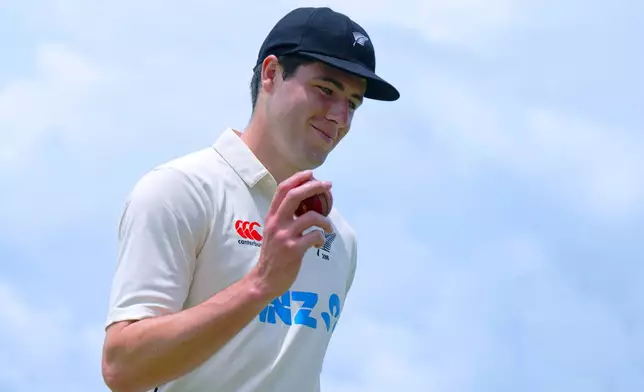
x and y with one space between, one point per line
377 88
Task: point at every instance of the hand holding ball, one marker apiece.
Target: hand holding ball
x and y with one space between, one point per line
321 203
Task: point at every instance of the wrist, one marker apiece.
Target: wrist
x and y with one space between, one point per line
257 288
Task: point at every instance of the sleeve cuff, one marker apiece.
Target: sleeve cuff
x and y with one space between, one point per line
137 312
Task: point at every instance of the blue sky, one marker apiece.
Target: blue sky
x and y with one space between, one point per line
499 203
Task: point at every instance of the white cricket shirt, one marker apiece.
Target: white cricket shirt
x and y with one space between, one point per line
192 227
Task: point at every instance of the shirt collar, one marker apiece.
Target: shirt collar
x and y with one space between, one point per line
243 161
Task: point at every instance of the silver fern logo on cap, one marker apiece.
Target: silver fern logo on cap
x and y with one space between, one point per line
359 38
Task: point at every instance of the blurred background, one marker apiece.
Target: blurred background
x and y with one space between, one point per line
499 203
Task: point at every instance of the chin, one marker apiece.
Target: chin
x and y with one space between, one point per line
312 156
317 161
313 161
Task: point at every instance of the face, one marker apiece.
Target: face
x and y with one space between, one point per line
310 112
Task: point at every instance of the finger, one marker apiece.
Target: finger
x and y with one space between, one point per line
313 238
296 195
285 186
310 219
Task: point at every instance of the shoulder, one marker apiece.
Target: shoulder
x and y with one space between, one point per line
348 238
342 226
346 232
203 168
191 180
181 191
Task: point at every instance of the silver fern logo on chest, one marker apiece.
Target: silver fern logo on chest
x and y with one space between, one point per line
325 250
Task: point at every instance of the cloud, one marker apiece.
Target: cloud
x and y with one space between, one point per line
461 23
48 105
600 165
40 341
595 168
500 316
454 292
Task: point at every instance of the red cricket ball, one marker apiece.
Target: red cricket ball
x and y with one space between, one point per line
321 203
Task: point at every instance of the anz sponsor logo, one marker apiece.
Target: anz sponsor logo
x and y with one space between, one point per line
281 310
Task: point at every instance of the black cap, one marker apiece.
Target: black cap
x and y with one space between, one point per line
331 38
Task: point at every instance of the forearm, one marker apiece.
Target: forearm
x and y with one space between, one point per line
154 351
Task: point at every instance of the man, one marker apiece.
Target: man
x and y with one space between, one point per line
219 287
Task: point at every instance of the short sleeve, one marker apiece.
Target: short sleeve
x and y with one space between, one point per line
163 226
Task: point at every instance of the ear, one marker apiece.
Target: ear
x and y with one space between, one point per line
270 72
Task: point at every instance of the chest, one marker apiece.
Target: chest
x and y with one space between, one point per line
234 246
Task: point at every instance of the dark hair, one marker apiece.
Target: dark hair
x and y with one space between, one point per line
289 63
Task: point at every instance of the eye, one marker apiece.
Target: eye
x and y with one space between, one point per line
326 90
329 92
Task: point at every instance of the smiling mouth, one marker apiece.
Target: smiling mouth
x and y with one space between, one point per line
323 134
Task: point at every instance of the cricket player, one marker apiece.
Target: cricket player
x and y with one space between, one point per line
219 286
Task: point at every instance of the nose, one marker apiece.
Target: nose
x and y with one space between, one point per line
339 112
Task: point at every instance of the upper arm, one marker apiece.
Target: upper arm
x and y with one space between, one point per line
162 229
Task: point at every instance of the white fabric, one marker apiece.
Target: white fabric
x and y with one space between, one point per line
178 246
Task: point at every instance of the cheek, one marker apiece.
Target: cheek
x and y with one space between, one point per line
297 102
342 134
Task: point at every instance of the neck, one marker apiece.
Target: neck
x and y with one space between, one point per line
258 140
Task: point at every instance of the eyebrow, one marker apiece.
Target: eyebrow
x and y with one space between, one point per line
339 86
